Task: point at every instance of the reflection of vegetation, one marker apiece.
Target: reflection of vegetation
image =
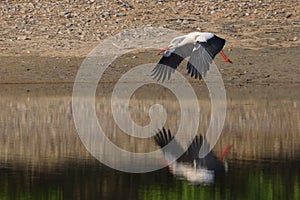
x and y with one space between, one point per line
92 181
280 182
41 128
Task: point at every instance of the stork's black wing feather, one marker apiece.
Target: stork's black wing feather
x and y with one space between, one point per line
210 161
167 65
203 55
163 138
214 45
194 148
199 62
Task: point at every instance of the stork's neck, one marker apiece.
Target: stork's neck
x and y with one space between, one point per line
187 40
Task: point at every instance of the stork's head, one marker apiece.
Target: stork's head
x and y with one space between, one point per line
176 42
167 51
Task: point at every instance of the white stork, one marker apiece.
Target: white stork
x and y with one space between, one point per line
202 48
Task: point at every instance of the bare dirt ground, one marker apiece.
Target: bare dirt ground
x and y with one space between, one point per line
45 42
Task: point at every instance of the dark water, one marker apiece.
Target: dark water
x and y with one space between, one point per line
42 157
94 181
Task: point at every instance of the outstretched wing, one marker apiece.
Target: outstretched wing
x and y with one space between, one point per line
167 65
163 138
214 45
211 161
199 62
203 55
194 148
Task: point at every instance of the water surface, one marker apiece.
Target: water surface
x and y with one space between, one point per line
42 157
94 181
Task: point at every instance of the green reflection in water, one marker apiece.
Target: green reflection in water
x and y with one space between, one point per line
266 181
94 181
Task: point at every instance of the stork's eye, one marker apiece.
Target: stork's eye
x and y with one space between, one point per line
168 52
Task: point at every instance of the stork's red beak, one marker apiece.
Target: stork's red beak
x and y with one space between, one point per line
225 57
163 50
225 152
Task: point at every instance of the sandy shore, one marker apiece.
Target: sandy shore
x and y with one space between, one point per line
267 66
45 42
